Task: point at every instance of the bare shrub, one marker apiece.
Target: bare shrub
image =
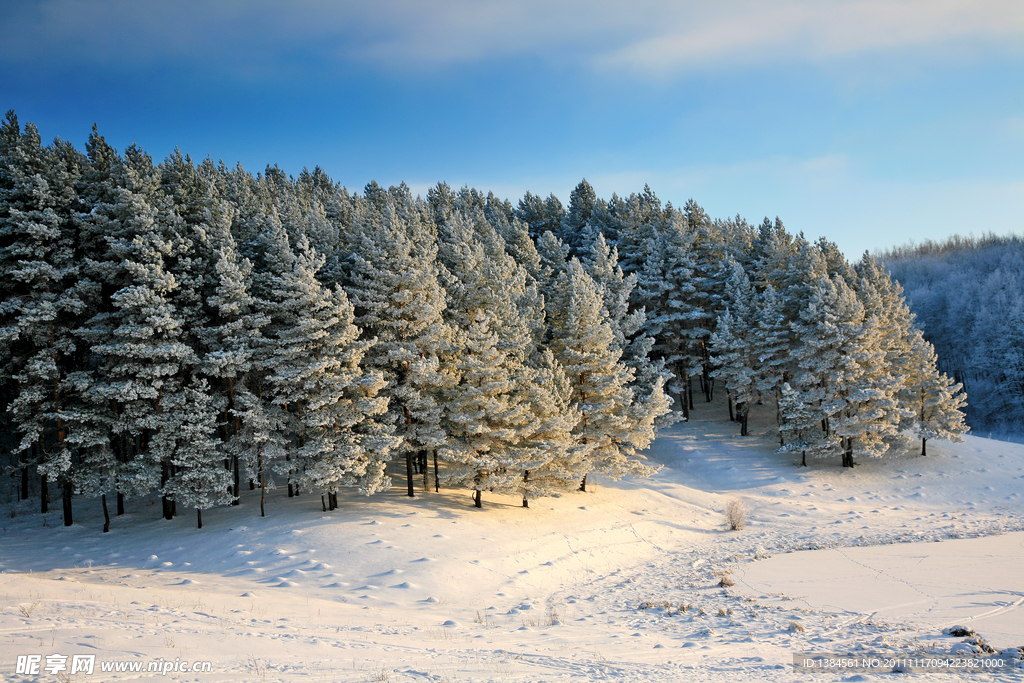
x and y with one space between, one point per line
735 514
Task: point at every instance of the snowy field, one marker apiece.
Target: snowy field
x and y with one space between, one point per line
620 583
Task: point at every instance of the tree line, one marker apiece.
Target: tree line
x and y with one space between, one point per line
968 294
186 328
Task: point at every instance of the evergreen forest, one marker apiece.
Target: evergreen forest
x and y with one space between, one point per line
968 296
186 330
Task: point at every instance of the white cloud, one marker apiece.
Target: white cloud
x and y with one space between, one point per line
659 38
760 32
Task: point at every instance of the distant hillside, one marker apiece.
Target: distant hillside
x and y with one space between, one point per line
968 295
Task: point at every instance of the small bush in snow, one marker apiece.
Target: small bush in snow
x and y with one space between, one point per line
795 627
735 514
959 632
725 581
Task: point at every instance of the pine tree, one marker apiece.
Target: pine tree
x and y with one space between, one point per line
485 413
771 343
315 374
800 427
45 298
141 359
583 202
842 373
399 301
550 458
613 423
667 291
939 400
187 439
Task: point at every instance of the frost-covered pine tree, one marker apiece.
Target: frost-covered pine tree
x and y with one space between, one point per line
771 343
485 413
187 439
550 457
234 345
732 348
800 426
842 372
315 374
140 358
667 291
938 408
399 301
613 422
44 298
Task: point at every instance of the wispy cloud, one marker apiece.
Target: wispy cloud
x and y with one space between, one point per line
762 32
658 38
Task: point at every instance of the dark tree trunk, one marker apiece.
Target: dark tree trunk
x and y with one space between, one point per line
106 515
44 495
24 476
526 479
236 491
291 491
583 484
408 474
803 456
68 491
263 491
924 449
120 503
332 500
689 391
166 510
252 485
199 518
478 499
426 470
848 452
437 476
323 503
732 416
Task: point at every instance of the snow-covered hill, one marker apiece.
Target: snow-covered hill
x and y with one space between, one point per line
619 583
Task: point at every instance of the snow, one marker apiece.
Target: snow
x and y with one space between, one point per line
620 583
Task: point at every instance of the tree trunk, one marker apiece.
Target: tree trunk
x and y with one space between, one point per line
235 492
165 510
426 470
199 518
408 474
689 390
120 503
848 453
44 496
68 491
24 476
477 499
263 489
291 492
106 515
728 399
526 479
924 449
746 413
803 456
437 477
583 484
323 503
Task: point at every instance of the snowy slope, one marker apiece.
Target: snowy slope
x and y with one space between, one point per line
619 583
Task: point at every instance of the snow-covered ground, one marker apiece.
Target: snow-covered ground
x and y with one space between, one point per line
620 583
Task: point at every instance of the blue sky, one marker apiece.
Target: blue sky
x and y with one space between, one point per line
872 122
